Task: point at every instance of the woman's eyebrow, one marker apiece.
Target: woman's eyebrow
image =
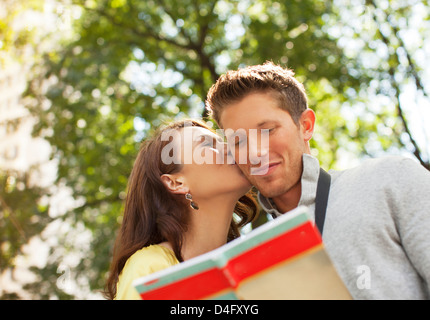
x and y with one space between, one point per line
208 137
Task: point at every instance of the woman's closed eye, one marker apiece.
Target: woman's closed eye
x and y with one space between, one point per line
240 142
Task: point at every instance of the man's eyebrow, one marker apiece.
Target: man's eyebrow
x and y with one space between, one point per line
265 122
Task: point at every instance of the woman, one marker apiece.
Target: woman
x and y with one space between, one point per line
177 209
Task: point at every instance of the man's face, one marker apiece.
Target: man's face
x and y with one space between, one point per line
287 141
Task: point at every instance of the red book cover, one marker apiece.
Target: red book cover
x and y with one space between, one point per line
282 259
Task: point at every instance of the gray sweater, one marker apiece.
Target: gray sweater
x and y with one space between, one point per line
377 226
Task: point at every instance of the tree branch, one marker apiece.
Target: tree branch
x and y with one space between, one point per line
148 33
417 152
11 215
411 65
173 17
198 48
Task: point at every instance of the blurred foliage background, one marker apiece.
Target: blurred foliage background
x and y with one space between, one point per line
103 73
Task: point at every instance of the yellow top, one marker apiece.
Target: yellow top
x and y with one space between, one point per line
143 262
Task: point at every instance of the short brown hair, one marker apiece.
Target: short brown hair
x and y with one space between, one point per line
268 77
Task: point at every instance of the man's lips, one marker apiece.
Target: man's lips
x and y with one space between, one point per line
264 170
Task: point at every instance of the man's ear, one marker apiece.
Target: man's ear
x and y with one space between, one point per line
175 184
307 124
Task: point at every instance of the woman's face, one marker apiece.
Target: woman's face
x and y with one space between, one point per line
206 169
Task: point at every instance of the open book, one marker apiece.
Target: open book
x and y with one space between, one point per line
282 259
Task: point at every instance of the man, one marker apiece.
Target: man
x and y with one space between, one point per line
377 221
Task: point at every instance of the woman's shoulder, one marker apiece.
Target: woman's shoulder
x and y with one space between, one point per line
153 256
142 263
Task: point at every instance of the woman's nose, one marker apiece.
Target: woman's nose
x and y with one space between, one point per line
228 155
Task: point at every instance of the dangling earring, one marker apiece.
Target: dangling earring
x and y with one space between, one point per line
193 205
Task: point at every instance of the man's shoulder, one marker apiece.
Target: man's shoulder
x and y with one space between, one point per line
385 168
387 162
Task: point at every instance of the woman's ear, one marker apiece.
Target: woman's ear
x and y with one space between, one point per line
175 184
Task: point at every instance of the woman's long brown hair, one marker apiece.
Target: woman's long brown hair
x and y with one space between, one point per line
152 214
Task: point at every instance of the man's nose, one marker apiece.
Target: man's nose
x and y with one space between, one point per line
258 148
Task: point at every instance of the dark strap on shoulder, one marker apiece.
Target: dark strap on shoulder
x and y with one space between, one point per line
323 189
